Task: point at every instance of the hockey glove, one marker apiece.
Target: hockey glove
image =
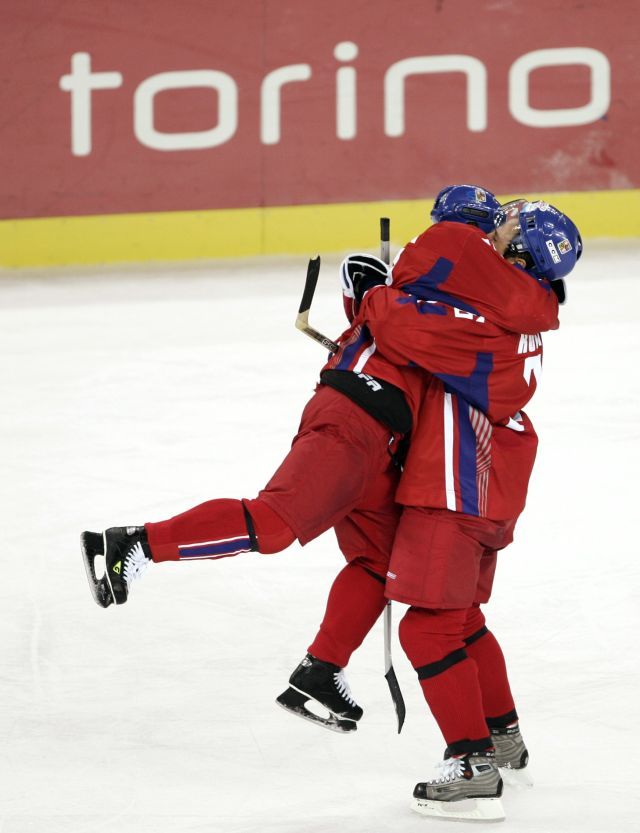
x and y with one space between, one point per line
361 272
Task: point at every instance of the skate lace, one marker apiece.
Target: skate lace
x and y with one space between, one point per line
135 563
343 687
450 769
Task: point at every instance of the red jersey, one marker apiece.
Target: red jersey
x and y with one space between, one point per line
464 452
496 371
472 450
457 267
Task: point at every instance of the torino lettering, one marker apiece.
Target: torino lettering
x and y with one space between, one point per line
82 82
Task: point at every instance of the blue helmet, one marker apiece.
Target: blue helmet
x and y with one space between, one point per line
549 242
466 204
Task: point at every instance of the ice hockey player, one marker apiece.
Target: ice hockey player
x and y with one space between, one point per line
469 462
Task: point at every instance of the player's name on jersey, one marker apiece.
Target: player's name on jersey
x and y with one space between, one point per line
529 343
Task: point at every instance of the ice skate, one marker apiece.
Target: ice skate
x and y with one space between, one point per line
326 684
512 756
468 789
127 554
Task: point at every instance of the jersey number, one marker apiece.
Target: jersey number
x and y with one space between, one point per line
533 364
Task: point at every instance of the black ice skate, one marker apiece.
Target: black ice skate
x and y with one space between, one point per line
512 756
468 789
325 683
127 554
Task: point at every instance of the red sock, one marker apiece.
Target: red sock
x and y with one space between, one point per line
355 602
456 703
484 649
432 640
218 529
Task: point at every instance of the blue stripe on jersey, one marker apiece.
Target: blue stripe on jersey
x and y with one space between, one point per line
426 286
475 387
214 549
467 463
351 351
422 308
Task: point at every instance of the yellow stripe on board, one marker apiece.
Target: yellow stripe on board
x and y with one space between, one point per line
243 232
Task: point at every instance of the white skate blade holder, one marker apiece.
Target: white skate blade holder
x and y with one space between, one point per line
302 705
92 547
469 809
518 778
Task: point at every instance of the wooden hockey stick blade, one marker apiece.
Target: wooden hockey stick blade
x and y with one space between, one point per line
396 696
302 319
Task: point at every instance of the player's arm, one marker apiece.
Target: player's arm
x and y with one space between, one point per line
456 263
433 336
508 296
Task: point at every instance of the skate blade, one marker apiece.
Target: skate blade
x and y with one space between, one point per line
92 546
294 702
519 778
469 809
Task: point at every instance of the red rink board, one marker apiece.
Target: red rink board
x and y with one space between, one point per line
246 41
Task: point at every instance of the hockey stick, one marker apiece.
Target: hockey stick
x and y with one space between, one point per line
389 673
385 227
302 319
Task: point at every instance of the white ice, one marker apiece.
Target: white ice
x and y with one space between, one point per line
130 395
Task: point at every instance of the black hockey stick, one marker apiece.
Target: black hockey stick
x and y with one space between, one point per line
302 319
385 227
389 673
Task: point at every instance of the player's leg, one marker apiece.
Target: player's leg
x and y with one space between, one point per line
337 450
219 529
356 599
432 640
216 529
469 785
435 567
483 647
354 604
499 707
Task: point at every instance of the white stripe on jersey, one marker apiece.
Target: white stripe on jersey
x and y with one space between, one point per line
214 541
448 453
364 358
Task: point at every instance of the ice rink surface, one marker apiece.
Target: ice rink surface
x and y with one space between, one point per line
131 395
